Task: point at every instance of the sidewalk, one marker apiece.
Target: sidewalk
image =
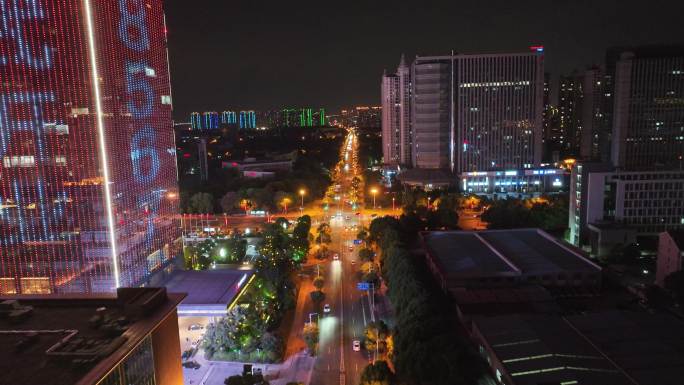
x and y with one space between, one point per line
296 368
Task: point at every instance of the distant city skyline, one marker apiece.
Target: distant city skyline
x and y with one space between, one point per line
332 54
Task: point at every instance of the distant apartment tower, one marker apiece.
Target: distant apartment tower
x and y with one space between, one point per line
593 138
391 136
648 110
88 186
247 119
570 113
228 117
210 120
474 112
196 121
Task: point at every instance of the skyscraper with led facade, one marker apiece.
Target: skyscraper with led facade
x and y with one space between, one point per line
88 184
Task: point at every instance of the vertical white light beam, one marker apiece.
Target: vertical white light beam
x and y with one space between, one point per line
101 137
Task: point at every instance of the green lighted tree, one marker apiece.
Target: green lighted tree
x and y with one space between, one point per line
310 334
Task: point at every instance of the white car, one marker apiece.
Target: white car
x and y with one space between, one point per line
326 308
336 257
356 345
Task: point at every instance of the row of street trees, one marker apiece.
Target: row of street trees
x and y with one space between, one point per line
427 346
248 332
228 191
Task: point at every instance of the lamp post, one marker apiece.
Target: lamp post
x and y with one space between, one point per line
392 203
374 191
302 192
428 206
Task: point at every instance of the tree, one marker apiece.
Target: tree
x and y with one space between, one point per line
366 254
377 373
310 334
324 233
318 283
376 332
202 203
235 380
317 296
362 235
228 201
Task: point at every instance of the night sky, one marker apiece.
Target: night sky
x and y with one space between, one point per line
270 54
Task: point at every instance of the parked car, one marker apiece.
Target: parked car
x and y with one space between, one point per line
195 327
336 257
356 345
326 308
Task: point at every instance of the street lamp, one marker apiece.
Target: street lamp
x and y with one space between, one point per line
428 206
392 203
302 192
374 191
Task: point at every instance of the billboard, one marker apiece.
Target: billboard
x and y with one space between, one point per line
88 183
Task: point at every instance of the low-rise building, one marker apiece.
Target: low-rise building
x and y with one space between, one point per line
463 260
524 183
670 255
646 202
253 164
129 338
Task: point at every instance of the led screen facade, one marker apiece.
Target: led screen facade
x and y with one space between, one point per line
88 183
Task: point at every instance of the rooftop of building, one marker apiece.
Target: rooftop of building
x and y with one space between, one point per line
70 339
540 349
648 347
208 291
503 252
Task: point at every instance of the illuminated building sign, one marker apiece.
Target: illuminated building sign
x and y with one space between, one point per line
86 145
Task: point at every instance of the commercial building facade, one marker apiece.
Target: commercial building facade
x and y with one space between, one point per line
516 183
648 110
88 186
647 202
472 112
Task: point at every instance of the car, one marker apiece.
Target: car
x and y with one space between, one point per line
353 262
336 257
351 248
195 327
358 214
326 308
374 215
192 365
347 217
356 345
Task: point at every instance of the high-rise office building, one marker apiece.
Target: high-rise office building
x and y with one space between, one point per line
88 193
396 115
196 121
391 117
477 112
648 112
